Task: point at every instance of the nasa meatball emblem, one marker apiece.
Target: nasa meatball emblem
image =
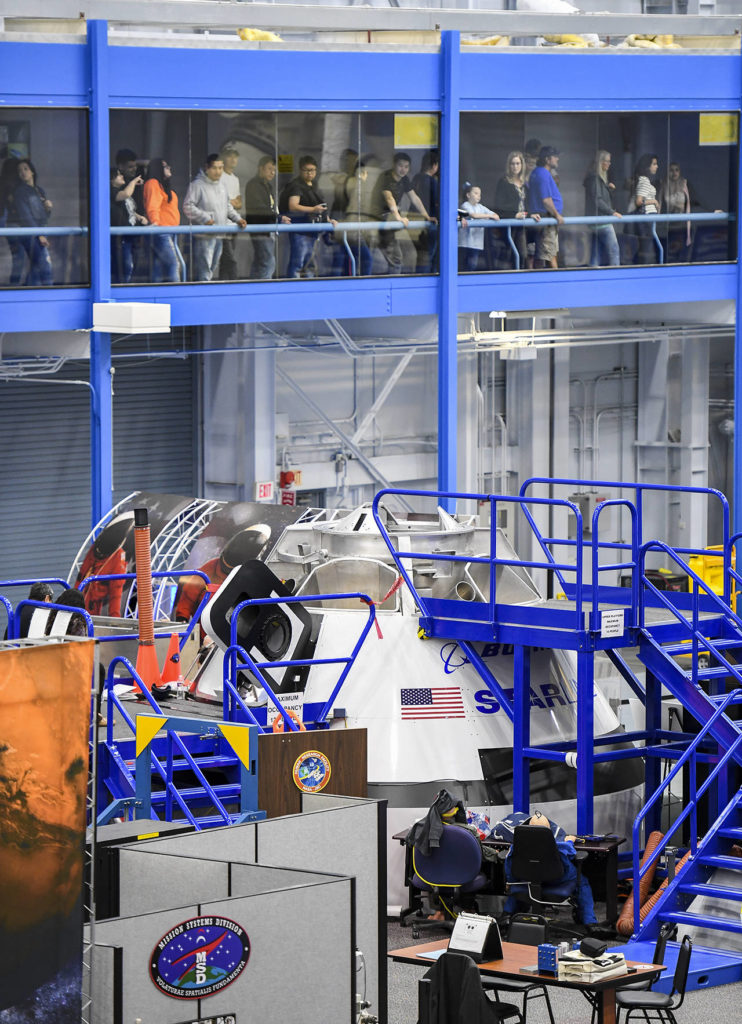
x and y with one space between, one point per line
312 771
199 957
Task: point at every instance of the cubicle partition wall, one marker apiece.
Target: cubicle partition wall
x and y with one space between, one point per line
293 897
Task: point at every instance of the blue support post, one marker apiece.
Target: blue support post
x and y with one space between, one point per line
448 256
585 741
652 765
521 727
101 401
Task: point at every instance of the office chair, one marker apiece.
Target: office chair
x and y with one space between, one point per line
450 870
537 869
667 931
658 1005
528 930
451 993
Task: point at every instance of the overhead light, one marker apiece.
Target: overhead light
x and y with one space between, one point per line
131 317
528 314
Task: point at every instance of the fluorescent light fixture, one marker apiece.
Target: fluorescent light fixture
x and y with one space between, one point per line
131 317
528 314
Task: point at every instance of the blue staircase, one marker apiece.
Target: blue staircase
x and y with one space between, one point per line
667 628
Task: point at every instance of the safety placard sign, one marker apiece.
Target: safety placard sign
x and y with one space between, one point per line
611 622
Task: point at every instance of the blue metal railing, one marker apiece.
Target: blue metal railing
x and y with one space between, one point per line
691 808
165 773
491 560
606 567
174 574
639 492
231 666
699 642
48 605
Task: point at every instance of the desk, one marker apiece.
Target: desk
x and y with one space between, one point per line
606 849
516 956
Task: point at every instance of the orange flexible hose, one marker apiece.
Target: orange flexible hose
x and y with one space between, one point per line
625 922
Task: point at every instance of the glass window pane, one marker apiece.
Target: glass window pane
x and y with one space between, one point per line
43 197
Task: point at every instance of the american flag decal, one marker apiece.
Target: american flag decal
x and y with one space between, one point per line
432 702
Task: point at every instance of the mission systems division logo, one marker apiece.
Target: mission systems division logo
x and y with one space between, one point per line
199 957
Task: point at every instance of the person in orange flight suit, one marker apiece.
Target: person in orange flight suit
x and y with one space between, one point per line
106 558
242 547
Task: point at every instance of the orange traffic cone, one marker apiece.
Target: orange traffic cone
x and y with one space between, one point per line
171 668
147 666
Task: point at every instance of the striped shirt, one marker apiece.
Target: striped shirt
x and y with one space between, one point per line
646 191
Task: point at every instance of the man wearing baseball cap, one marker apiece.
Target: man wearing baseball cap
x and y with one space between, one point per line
545 198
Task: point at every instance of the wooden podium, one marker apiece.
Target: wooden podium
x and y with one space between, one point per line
345 749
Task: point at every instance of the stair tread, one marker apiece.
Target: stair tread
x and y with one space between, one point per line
720 860
730 832
224 790
722 892
180 764
685 648
700 920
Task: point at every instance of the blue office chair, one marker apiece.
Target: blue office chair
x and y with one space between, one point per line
537 870
450 870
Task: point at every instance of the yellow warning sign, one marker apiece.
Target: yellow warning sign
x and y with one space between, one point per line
147 728
285 163
238 737
718 129
415 131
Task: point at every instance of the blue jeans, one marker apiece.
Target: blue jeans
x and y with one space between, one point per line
207 250
122 259
300 252
583 891
361 253
263 257
605 252
40 270
471 259
166 266
17 260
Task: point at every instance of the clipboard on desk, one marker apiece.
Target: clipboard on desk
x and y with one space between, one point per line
478 936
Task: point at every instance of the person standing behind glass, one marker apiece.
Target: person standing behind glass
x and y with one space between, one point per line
599 203
32 209
390 188
471 239
8 182
123 215
545 199
207 202
427 187
645 200
260 208
161 206
304 204
228 261
510 204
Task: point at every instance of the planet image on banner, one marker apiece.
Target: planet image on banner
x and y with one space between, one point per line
312 771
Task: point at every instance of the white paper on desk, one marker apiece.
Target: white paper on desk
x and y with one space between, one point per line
433 954
469 933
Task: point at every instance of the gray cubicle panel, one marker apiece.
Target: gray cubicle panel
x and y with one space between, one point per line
300 964
346 835
337 834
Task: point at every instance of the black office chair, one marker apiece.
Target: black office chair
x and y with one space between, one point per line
658 1005
451 993
667 931
537 870
528 930
451 870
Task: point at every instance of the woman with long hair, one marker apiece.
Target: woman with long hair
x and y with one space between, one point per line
599 203
32 209
644 199
161 207
510 204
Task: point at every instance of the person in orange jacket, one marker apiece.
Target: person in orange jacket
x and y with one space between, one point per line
161 207
106 558
242 547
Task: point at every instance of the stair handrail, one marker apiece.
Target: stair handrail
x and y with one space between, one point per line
255 666
690 809
493 561
732 571
633 564
639 489
162 772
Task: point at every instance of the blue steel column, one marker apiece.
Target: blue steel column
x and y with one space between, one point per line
101 401
585 741
521 727
652 766
448 256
